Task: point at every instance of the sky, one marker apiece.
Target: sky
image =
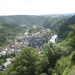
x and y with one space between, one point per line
36 7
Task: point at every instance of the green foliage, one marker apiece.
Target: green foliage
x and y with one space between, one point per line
54 23
64 28
34 30
66 64
66 71
28 62
61 65
73 57
6 30
52 52
48 50
3 57
43 74
3 40
23 19
42 64
48 62
24 63
71 36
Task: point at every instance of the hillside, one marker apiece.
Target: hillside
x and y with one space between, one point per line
64 28
46 20
8 29
23 19
54 23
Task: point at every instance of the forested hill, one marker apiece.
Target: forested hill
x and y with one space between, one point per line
54 23
64 28
23 19
51 20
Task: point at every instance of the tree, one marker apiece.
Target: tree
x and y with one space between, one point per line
61 65
24 63
73 57
52 52
42 64
71 36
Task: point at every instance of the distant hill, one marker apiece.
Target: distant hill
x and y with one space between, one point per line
64 28
33 19
23 19
54 23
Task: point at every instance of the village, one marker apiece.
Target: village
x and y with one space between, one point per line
22 40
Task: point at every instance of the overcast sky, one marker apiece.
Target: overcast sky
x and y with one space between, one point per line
36 7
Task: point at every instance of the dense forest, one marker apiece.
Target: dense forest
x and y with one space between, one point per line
23 19
34 20
64 28
54 59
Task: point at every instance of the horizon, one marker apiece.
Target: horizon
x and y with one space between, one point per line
40 15
36 7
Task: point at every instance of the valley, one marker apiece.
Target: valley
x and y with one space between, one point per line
42 45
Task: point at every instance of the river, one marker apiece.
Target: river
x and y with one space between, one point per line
53 38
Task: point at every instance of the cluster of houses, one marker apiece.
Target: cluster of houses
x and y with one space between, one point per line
35 40
9 49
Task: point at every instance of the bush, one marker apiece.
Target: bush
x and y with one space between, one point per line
73 57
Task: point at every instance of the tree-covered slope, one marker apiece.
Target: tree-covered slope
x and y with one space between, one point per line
51 21
23 19
64 28
8 29
54 23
